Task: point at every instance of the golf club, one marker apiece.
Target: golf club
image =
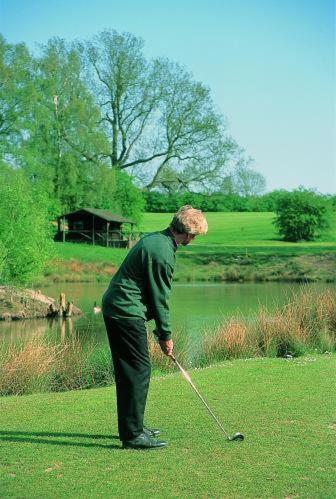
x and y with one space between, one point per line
236 436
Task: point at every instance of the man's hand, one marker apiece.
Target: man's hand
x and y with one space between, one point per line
166 346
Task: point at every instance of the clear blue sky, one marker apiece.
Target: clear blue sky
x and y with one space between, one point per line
269 63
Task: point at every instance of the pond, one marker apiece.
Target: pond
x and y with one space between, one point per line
194 307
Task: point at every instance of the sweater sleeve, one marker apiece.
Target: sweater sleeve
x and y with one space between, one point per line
160 275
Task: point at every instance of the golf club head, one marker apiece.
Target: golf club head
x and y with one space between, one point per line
237 436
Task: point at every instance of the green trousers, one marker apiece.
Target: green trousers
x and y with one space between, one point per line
129 348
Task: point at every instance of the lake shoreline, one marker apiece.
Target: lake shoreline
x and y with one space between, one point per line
304 324
24 303
211 267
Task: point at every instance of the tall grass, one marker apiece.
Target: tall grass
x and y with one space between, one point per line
307 323
41 365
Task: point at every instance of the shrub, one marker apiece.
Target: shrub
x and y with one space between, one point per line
301 215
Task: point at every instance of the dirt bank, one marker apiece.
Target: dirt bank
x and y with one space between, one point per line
16 303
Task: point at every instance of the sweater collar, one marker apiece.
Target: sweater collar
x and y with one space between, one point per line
167 232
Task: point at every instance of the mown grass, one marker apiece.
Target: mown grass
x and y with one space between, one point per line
232 231
89 254
239 229
66 444
306 324
238 247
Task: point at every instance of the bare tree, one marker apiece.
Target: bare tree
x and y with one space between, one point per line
248 182
161 124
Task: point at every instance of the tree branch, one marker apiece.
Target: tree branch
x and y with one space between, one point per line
154 179
143 160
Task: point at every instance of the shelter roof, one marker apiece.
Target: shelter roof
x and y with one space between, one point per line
104 214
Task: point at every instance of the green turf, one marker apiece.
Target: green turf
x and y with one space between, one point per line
88 253
228 233
64 445
238 229
238 247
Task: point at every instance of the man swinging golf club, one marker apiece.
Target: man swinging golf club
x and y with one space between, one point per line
139 292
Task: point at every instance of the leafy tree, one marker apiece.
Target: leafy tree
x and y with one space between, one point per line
115 190
301 215
161 124
129 197
191 134
25 232
124 84
76 141
15 96
271 199
64 135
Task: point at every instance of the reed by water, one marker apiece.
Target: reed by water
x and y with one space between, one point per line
307 323
41 365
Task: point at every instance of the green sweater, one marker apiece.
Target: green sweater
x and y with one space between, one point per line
141 287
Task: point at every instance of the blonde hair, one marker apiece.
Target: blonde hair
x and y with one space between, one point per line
188 220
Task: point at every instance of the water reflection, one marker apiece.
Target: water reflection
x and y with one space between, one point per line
194 307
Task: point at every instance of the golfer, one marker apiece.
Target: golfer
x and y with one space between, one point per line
139 292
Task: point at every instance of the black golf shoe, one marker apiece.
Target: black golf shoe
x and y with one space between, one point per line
152 432
143 441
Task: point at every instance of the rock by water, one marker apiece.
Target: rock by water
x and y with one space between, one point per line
17 303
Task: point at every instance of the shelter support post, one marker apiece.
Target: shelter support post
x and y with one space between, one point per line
107 233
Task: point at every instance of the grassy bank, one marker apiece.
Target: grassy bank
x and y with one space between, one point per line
306 324
238 247
65 444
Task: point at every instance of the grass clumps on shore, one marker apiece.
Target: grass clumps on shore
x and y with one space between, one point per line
306 324
42 365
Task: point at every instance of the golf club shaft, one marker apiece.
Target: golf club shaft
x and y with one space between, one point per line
187 377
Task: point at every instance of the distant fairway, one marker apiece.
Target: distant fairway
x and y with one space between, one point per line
238 247
237 229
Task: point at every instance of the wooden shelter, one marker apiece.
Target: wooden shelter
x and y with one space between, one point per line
95 226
